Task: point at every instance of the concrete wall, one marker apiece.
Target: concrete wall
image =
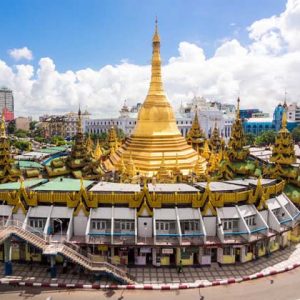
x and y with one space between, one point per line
210 224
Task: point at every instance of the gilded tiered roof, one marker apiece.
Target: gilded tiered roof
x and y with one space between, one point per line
80 162
236 150
216 142
7 171
283 151
195 136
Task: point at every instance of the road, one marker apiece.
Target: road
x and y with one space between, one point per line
284 286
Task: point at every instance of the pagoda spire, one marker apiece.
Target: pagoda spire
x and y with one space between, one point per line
156 85
236 150
3 128
195 136
7 170
283 151
238 108
216 142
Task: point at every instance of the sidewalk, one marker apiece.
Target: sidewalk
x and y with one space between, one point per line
151 275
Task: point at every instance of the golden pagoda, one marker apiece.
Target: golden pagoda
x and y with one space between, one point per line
7 170
113 142
216 142
206 151
97 153
89 144
283 151
79 163
236 150
156 133
195 136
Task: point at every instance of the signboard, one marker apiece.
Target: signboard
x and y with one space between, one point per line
140 260
103 248
167 251
145 250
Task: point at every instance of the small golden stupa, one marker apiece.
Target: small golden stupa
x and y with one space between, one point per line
156 136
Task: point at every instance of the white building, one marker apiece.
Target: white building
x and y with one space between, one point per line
209 114
294 113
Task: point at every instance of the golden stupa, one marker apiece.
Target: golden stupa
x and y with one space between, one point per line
156 136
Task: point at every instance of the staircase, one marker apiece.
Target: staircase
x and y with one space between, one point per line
70 251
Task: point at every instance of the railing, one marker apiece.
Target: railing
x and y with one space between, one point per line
68 249
26 228
96 264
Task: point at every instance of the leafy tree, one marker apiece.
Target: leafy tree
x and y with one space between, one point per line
11 127
32 125
250 138
23 145
21 133
58 140
296 134
266 138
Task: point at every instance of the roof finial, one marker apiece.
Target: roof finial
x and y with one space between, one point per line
156 38
284 120
238 108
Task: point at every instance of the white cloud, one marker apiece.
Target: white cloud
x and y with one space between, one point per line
21 53
259 72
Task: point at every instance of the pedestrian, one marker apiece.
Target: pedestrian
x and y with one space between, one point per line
31 261
180 267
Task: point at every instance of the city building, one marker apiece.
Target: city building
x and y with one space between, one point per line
62 125
293 113
209 114
23 123
259 122
7 103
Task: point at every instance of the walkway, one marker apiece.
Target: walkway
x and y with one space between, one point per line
150 275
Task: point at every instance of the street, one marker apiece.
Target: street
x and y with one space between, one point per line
280 287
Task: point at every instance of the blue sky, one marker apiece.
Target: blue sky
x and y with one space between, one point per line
78 34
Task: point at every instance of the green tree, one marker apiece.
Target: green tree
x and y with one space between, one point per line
250 138
32 125
11 127
23 145
296 134
21 133
58 140
266 138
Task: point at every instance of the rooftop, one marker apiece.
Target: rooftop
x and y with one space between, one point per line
63 184
27 183
103 186
171 188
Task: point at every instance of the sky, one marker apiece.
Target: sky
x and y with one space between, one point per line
58 54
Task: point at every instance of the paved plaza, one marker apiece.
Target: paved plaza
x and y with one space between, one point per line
152 275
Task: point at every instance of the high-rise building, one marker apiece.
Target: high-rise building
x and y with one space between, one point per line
7 103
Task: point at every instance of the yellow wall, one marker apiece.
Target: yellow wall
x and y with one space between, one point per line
15 254
165 261
262 252
228 259
35 257
116 260
274 247
248 257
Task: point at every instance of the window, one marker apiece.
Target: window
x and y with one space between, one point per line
165 226
230 224
250 221
124 225
227 251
